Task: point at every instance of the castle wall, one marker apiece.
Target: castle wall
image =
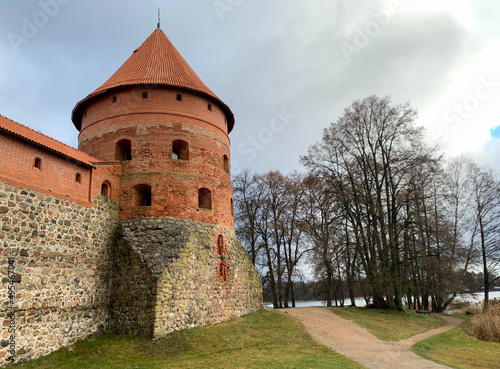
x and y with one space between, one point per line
59 254
180 260
18 158
56 175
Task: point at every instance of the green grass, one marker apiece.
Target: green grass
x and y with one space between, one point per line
389 325
265 339
457 349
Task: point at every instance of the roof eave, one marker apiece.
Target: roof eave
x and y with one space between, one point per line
88 164
77 113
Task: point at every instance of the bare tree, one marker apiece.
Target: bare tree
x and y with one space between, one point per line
248 201
295 246
267 220
368 156
486 199
322 221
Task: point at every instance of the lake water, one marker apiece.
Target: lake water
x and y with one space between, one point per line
479 296
475 297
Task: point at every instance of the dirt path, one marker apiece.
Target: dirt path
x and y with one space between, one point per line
355 342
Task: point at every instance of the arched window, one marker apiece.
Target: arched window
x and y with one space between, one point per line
204 199
226 164
142 195
78 178
38 163
106 189
180 150
123 150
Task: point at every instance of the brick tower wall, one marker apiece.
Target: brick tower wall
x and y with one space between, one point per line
151 125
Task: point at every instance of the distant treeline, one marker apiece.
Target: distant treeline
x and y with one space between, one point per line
317 290
379 213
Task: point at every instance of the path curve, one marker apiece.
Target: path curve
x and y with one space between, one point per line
355 342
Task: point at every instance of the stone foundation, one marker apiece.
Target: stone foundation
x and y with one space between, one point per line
70 271
179 263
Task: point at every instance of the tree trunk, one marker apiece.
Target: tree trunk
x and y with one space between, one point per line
485 266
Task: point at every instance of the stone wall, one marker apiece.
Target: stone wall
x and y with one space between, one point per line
55 258
180 261
70 271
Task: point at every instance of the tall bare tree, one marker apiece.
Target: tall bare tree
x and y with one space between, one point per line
268 222
248 201
369 156
486 200
323 223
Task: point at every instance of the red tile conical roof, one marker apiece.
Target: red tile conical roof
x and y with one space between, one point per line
155 62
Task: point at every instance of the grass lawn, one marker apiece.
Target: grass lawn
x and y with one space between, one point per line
459 350
389 325
265 339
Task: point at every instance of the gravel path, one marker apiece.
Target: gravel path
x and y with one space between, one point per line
355 342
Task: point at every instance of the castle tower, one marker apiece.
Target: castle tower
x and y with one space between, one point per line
177 262
170 132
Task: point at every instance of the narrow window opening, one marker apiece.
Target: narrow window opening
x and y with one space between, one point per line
145 95
204 199
226 164
220 245
142 195
114 99
232 207
78 178
106 189
38 163
223 266
179 97
123 150
223 270
180 150
210 107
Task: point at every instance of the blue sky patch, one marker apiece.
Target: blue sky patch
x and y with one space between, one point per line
495 132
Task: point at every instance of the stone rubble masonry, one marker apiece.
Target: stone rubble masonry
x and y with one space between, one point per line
62 253
82 272
173 283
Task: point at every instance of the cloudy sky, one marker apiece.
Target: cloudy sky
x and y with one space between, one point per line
286 68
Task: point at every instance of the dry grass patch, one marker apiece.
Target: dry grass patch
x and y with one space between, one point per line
486 326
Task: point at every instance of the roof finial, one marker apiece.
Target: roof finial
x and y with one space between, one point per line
158 18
